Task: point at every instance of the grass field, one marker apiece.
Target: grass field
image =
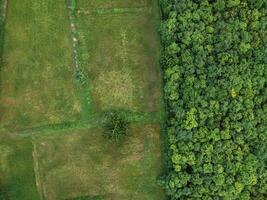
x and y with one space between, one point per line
56 122
36 79
85 163
119 52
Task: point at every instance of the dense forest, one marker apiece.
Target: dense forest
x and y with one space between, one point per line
215 68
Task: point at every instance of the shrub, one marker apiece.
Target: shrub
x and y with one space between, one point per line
115 125
81 76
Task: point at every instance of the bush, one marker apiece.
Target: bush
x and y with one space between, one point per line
115 125
81 76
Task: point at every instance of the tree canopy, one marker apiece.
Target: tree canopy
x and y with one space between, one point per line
215 70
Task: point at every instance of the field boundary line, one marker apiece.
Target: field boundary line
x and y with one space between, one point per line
3 13
4 10
126 10
73 35
79 73
37 171
95 121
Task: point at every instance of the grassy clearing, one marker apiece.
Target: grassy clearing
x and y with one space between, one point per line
119 52
16 169
36 79
86 163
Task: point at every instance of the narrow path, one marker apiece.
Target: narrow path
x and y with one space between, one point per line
100 11
37 172
79 73
73 35
4 10
95 121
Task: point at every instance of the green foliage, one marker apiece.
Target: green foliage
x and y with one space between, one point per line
81 76
115 125
73 5
215 70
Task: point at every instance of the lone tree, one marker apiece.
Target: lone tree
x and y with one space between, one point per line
115 125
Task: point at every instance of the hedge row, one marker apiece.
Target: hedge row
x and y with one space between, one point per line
215 71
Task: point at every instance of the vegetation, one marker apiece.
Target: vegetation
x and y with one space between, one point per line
17 179
87 198
37 86
128 76
214 65
3 192
86 163
115 125
1 31
58 83
81 77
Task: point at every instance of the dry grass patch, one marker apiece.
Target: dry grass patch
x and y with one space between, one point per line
121 58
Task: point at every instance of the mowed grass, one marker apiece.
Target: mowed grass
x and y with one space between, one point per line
16 169
87 164
120 53
36 78
112 3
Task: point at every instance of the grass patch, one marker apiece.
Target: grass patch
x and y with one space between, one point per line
121 58
87 164
37 84
118 87
84 4
16 169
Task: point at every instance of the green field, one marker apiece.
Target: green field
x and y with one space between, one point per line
85 163
119 52
36 78
52 107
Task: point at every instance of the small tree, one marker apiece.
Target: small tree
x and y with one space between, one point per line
115 125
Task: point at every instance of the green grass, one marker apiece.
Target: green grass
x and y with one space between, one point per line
1 31
16 168
36 79
84 4
120 53
86 163
39 99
